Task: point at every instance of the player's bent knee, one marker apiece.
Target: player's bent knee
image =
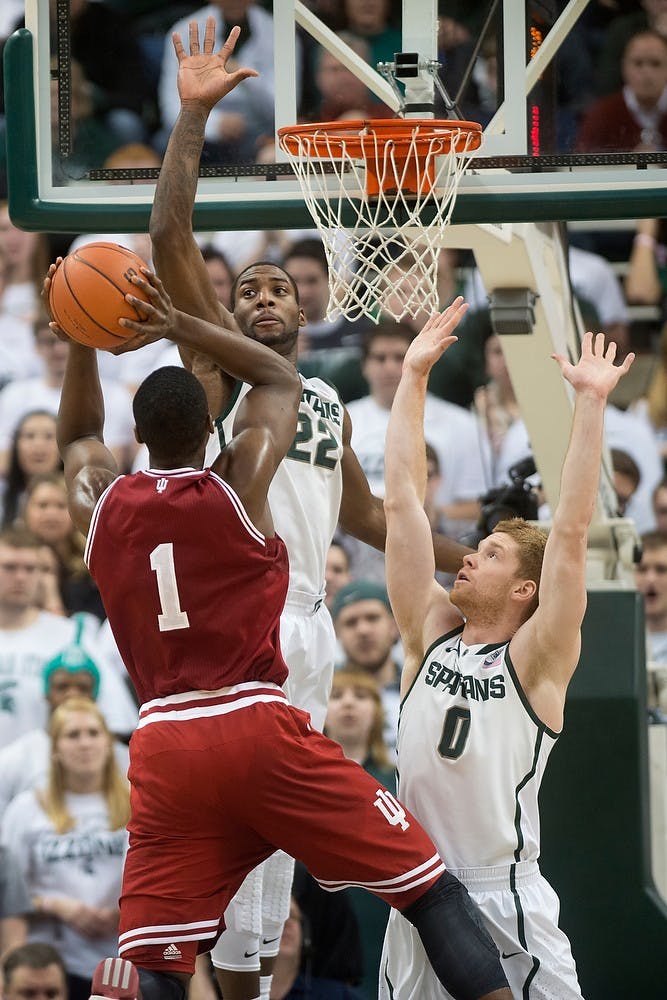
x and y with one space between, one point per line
160 986
237 951
462 952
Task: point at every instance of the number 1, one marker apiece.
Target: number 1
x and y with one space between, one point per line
162 563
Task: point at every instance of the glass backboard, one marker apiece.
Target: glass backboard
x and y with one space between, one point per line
516 71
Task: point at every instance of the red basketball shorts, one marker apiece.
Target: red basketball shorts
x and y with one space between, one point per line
218 783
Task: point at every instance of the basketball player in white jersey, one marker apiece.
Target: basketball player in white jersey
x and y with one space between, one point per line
318 483
483 686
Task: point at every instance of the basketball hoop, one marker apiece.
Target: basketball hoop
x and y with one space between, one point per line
380 193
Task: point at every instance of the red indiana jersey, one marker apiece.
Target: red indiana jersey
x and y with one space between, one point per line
193 591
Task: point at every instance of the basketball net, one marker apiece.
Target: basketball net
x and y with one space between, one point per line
381 193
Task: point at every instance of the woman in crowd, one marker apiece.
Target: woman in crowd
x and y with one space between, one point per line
34 452
46 514
355 720
70 842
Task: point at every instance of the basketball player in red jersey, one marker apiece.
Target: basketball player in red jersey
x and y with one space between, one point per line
223 770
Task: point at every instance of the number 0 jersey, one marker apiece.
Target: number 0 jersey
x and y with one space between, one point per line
306 491
471 755
193 591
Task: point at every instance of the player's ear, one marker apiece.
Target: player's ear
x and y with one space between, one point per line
524 590
137 436
302 318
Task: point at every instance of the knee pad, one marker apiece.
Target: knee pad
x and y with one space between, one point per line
277 878
236 951
269 943
159 986
461 951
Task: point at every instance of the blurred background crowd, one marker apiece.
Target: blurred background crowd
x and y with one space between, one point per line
66 705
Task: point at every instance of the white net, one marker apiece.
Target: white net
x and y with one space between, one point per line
380 205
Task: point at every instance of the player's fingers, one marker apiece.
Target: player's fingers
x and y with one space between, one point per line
230 42
142 307
628 361
149 285
586 344
242 74
611 351
209 36
194 38
599 344
60 334
448 341
131 344
178 46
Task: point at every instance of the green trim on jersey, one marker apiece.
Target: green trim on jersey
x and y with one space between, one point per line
436 642
520 843
231 403
444 638
524 700
521 934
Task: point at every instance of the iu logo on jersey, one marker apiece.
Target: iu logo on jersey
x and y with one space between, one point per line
161 484
391 809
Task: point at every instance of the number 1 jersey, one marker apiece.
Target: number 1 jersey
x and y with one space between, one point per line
193 591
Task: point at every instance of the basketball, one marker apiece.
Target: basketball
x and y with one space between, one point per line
87 294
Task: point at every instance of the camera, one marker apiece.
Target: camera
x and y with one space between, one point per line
517 499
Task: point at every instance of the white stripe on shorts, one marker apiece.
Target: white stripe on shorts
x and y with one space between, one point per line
401 883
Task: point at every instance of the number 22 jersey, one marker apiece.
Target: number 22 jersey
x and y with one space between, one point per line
193 591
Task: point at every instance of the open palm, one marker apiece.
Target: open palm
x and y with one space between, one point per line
434 338
595 371
203 76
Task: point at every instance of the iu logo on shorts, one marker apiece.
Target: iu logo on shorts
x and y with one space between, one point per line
391 809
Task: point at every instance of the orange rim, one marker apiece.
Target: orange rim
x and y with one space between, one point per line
412 140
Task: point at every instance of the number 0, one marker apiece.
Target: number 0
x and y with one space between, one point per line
455 731
162 563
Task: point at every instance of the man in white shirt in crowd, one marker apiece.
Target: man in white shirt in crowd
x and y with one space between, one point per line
450 429
42 392
29 637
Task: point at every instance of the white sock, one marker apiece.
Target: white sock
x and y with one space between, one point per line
264 987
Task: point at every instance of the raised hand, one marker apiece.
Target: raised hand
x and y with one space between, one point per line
595 372
434 338
203 76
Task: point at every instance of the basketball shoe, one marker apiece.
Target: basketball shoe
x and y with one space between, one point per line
115 979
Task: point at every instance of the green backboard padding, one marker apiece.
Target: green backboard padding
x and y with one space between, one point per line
595 818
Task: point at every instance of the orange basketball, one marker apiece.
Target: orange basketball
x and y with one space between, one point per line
87 294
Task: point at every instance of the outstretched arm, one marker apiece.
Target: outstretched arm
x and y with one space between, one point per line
546 648
202 81
421 607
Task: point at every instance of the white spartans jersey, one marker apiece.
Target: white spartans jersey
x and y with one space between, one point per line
306 490
23 653
85 863
471 755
